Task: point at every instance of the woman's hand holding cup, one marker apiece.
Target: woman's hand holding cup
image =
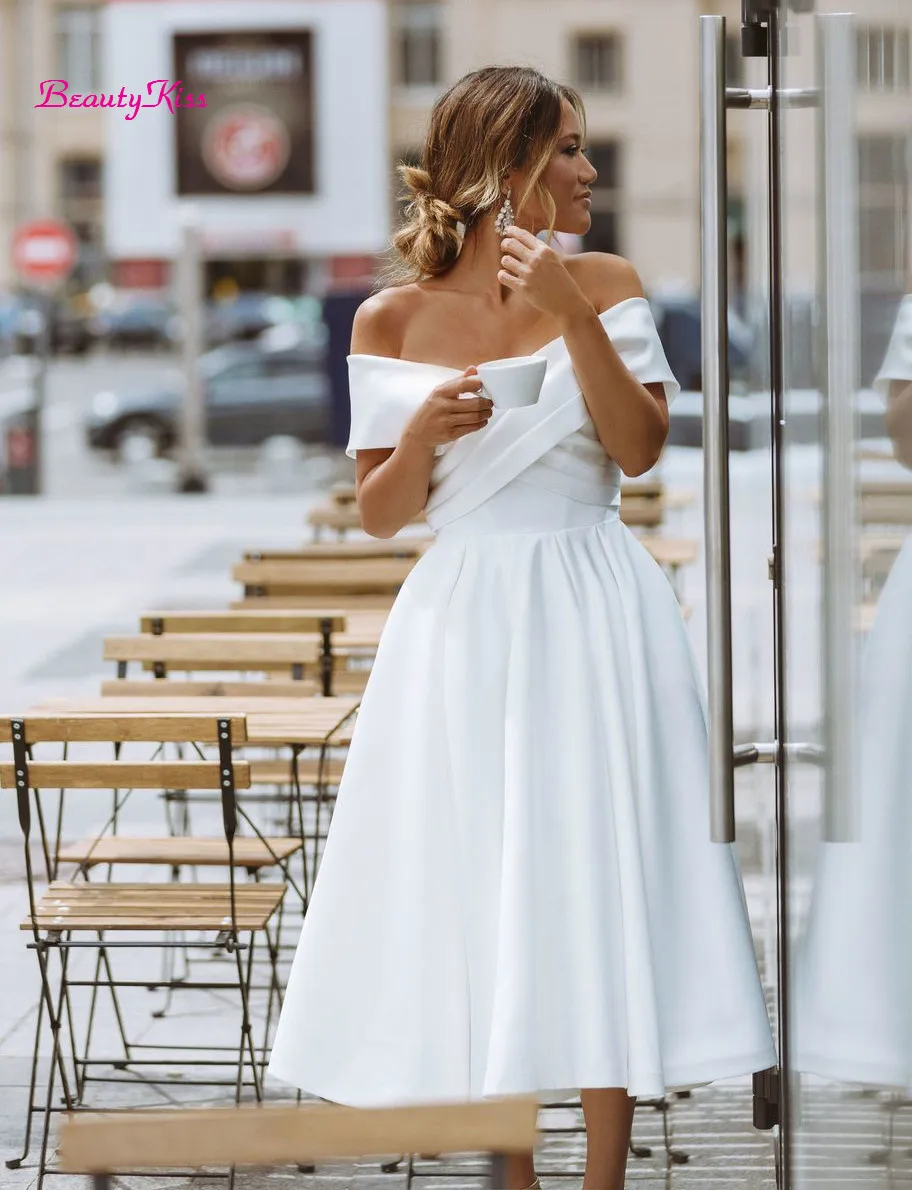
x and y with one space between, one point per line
453 409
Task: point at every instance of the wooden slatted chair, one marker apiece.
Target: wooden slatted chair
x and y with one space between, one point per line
342 519
326 577
108 916
886 502
224 652
205 1138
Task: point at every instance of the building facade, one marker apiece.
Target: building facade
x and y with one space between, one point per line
634 61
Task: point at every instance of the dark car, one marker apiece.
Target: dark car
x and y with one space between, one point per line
22 323
678 322
141 322
252 392
239 318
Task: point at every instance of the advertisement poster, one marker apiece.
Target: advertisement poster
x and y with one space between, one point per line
255 133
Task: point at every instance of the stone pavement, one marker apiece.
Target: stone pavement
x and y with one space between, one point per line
75 572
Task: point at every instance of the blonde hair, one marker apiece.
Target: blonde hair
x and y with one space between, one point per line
491 121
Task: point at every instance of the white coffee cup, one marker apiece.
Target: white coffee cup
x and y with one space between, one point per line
513 382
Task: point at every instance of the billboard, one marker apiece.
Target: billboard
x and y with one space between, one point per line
300 162
255 133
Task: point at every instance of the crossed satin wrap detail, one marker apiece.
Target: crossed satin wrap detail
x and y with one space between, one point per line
386 392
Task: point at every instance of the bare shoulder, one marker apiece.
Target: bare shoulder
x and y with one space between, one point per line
605 279
380 320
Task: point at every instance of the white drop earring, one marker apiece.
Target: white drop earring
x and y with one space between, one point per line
504 216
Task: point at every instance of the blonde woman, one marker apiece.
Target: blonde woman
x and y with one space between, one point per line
518 893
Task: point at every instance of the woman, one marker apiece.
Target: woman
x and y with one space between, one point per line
518 893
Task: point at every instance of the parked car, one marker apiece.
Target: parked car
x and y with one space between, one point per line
139 321
22 320
252 392
239 318
678 322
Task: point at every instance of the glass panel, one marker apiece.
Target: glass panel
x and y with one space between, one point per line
847 629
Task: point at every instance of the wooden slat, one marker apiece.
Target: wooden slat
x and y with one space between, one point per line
408 545
96 722
248 852
201 705
122 774
168 688
290 728
327 575
262 620
376 601
234 650
278 772
672 551
154 906
342 519
268 1135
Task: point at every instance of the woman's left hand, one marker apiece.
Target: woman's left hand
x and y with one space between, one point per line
533 269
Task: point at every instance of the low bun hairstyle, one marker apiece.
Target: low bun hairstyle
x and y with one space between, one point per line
491 121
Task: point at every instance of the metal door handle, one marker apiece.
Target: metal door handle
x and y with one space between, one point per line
714 331
839 356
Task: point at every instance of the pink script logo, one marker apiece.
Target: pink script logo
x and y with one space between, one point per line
54 93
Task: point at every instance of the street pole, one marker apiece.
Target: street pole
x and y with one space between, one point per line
192 421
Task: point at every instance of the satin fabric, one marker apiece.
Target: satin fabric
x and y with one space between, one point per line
518 892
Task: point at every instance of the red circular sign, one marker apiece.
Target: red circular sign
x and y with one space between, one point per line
246 146
44 250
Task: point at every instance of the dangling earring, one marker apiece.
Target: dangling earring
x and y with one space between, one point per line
504 216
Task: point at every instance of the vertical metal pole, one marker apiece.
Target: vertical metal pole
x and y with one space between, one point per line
192 422
838 351
714 324
780 672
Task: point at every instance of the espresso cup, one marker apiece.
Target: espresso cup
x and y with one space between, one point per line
513 382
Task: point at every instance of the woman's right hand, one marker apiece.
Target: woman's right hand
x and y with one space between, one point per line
447 414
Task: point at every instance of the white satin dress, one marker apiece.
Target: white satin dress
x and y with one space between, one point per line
518 892
854 971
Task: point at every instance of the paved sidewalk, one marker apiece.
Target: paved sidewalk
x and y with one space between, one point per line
76 572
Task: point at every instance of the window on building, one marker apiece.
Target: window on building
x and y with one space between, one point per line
882 54
80 178
79 47
597 61
417 41
884 180
604 234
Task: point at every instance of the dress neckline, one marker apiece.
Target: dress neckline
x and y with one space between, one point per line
395 359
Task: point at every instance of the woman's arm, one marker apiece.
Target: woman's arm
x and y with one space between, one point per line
630 418
392 484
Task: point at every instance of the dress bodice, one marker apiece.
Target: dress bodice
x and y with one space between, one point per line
552 445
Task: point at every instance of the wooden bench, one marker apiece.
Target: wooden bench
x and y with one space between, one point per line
325 577
199 1138
186 652
404 546
343 519
886 502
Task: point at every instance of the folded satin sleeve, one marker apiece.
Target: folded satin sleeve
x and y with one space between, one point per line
897 364
633 333
385 393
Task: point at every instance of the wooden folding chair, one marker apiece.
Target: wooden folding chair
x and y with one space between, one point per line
195 1139
80 914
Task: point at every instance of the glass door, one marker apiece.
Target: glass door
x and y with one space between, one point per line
826 122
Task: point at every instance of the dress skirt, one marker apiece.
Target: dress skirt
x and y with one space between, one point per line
518 892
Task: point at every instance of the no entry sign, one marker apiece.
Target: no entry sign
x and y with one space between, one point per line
44 251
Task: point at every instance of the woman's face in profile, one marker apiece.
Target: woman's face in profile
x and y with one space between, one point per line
568 176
